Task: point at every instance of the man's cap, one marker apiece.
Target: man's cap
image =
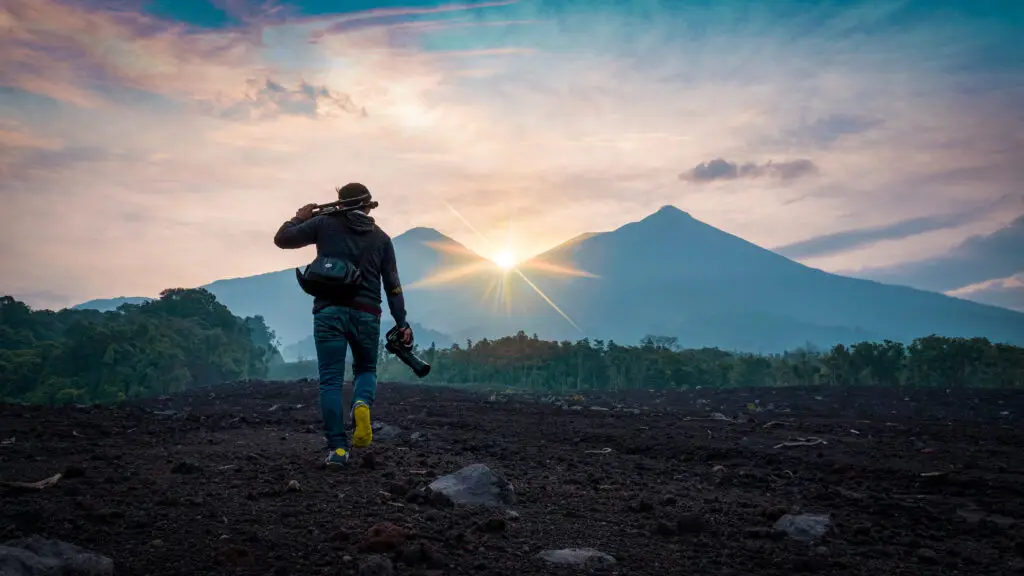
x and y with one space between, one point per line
354 192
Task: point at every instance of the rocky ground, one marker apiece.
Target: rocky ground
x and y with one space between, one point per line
739 482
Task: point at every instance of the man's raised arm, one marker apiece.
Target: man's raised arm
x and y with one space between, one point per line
298 232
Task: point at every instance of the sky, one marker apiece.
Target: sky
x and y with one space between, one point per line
151 144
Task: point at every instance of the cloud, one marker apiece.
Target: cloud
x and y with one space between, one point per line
1004 292
721 169
977 260
390 15
268 99
850 239
827 130
189 137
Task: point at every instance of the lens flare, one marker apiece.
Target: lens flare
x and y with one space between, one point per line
505 259
500 265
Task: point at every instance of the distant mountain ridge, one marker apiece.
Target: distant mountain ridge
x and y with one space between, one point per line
110 304
667 274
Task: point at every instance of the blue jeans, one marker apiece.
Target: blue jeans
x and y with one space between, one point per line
336 328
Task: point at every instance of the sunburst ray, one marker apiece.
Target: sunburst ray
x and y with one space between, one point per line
556 269
451 274
500 286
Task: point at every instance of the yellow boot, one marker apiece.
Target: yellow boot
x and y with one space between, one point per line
363 435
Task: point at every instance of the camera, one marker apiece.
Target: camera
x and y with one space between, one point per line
393 344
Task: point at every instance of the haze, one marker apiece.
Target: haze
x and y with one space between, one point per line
159 144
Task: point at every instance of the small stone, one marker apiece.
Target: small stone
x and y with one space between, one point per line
398 489
236 556
586 557
293 486
663 528
382 431
420 553
384 537
376 566
494 525
691 524
926 556
804 527
72 471
643 507
186 467
775 512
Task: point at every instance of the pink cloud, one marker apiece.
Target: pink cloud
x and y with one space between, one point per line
14 134
398 22
339 23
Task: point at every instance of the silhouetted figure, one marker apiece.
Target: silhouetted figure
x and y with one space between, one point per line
348 316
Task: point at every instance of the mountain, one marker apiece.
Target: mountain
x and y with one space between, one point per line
674 275
287 309
305 349
110 304
668 274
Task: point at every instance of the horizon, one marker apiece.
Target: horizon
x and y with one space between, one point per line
499 268
162 143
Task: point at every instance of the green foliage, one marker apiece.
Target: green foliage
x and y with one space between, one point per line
530 363
185 339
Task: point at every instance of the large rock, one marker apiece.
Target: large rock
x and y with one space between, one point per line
475 484
583 557
37 556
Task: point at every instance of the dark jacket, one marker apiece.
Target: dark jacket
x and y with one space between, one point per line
347 235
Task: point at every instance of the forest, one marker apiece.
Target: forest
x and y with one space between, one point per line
185 339
525 362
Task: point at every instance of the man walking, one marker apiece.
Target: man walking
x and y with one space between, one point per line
353 319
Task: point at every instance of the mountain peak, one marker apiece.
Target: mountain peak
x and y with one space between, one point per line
422 234
669 211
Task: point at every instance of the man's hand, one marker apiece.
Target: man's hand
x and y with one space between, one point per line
406 333
305 213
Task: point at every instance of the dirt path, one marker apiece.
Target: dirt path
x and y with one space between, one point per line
199 484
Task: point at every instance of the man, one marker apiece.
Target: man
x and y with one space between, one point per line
354 320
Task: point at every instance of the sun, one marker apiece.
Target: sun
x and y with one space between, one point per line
505 259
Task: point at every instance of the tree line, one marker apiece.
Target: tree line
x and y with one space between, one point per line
184 339
187 339
526 362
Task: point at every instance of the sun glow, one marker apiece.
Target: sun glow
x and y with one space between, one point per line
505 259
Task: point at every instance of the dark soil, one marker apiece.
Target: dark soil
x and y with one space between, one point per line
915 482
